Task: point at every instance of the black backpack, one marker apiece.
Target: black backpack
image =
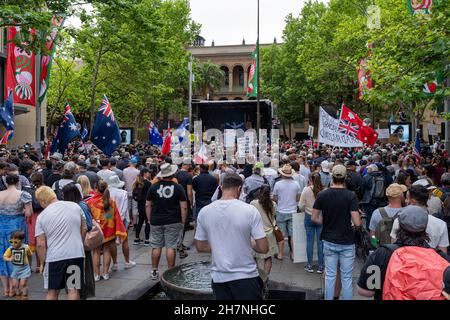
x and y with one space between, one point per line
58 190
377 192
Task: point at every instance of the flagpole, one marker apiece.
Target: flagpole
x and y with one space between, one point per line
38 104
258 111
447 123
190 92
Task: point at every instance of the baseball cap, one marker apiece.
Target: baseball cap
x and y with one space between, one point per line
396 190
58 165
413 219
56 156
70 166
424 183
134 160
325 166
339 171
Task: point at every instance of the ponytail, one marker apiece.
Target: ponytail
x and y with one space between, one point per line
102 188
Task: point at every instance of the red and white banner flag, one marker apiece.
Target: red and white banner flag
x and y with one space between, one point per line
351 124
20 74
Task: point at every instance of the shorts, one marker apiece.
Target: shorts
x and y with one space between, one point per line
284 223
133 207
64 274
243 289
21 272
168 236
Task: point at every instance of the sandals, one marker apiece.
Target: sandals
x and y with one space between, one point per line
276 257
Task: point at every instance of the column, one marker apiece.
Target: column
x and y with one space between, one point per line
245 79
230 80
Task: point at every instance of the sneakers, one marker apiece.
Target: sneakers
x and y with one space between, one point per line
155 275
183 254
309 268
97 278
105 276
147 243
137 241
320 270
129 265
115 267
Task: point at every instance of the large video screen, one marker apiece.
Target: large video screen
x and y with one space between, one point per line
127 135
402 130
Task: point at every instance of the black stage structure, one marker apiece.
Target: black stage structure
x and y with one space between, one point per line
232 114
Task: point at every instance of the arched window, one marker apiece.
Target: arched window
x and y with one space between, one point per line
238 77
226 72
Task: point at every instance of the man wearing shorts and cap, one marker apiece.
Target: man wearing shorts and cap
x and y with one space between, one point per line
166 209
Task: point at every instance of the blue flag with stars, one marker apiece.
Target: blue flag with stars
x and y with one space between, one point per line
67 131
154 137
7 113
105 132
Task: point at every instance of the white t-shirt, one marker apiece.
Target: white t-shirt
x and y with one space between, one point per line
228 226
286 191
104 174
120 197
129 176
436 230
60 222
376 216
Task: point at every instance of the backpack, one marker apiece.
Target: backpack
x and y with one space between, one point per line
378 188
384 227
58 191
349 183
414 273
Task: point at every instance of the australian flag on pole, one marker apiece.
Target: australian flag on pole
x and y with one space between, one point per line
67 131
105 132
154 137
7 118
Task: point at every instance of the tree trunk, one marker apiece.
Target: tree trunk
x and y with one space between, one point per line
94 85
138 122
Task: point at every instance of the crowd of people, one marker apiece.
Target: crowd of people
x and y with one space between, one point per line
72 211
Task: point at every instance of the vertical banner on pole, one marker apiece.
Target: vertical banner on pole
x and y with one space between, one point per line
20 74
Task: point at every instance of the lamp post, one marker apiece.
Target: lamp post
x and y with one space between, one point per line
258 111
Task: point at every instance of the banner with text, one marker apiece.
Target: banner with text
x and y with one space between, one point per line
329 132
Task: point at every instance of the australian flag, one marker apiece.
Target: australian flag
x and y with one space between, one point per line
7 118
154 137
106 133
67 131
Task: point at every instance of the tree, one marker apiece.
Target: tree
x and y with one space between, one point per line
210 78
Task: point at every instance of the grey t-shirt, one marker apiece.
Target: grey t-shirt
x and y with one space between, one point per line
376 216
229 225
60 222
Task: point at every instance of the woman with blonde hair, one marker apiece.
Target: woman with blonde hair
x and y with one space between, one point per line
105 212
85 187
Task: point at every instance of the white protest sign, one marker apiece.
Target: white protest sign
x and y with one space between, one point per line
230 137
310 131
299 239
329 132
241 147
432 130
383 133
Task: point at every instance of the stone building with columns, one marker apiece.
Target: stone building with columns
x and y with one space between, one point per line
235 61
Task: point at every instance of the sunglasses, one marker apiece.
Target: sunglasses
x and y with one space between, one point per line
13 241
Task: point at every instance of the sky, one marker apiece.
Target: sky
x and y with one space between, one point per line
229 21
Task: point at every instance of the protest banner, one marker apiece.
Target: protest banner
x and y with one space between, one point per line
329 132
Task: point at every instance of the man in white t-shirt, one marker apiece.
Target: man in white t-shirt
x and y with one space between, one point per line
231 229
286 193
60 231
120 197
105 172
129 176
436 228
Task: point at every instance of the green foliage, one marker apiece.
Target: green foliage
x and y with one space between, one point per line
209 77
318 61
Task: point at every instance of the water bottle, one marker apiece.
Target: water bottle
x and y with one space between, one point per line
374 241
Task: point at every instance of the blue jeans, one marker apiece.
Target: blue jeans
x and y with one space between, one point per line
345 255
311 230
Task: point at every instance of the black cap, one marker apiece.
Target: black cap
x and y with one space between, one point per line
351 163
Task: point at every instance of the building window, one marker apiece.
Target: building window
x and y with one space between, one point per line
238 76
226 73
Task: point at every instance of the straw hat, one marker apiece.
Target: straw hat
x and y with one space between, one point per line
286 171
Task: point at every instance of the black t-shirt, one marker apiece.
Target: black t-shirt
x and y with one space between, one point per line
52 179
143 196
184 179
204 186
336 205
380 258
93 169
166 197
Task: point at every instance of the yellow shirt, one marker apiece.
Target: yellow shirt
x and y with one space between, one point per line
20 256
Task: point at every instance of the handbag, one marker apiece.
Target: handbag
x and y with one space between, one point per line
94 238
277 232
